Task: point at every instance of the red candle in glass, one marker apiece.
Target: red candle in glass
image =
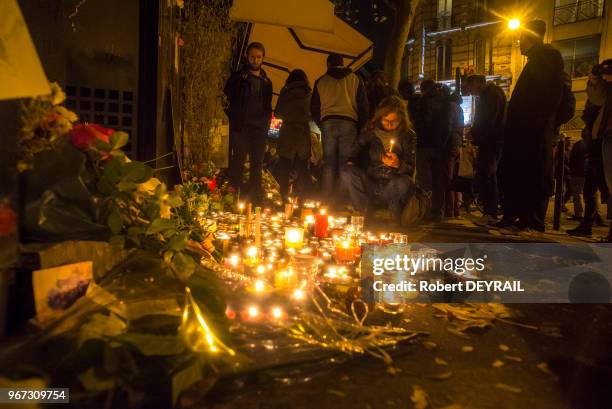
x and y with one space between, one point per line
321 224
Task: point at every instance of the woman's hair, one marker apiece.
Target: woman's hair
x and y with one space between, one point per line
297 75
388 105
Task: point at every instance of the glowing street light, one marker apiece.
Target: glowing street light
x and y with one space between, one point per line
514 23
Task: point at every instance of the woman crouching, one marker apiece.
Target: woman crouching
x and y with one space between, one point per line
381 167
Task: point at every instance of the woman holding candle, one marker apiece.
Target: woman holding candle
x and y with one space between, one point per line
387 146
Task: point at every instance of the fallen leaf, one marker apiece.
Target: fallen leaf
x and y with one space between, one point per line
393 370
543 366
504 348
429 344
419 397
443 375
440 361
513 358
336 392
508 388
498 364
467 348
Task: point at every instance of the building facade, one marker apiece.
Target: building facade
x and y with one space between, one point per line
461 37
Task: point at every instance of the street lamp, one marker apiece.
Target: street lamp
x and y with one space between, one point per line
514 23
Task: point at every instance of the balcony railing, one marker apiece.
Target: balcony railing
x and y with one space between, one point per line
578 11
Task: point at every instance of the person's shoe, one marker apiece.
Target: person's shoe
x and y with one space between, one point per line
580 231
575 218
599 221
504 223
486 220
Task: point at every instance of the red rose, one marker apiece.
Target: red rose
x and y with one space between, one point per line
8 220
212 184
83 136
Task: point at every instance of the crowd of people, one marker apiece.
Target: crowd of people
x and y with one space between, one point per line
380 146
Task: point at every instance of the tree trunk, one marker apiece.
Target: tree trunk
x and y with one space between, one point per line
404 15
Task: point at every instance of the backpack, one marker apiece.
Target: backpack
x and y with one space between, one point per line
416 208
567 107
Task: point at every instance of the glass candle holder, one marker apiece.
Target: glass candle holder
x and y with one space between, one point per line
294 237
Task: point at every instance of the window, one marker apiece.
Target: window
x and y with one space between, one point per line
579 54
480 50
444 53
104 107
571 11
445 12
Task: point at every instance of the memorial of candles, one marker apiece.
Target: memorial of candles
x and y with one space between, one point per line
290 252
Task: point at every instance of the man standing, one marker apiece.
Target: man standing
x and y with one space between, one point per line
529 136
434 126
597 132
339 106
487 134
249 93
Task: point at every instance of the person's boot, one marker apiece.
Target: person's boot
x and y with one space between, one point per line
580 231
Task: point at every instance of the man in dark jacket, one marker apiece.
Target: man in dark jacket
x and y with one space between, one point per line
249 93
527 164
340 107
487 133
598 127
434 129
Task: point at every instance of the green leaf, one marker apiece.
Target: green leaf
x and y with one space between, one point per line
127 186
159 225
152 209
112 171
153 345
102 146
100 326
118 139
184 264
182 380
175 200
177 242
137 172
168 256
115 222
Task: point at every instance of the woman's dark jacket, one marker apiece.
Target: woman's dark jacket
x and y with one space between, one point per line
404 148
293 107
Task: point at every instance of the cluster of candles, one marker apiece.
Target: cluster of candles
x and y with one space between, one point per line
281 252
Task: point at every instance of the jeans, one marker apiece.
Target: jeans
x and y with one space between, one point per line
338 136
366 192
251 141
486 180
433 175
595 179
452 197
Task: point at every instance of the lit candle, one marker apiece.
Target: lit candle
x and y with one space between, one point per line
346 251
294 237
240 207
285 279
321 224
305 213
391 145
258 227
249 208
